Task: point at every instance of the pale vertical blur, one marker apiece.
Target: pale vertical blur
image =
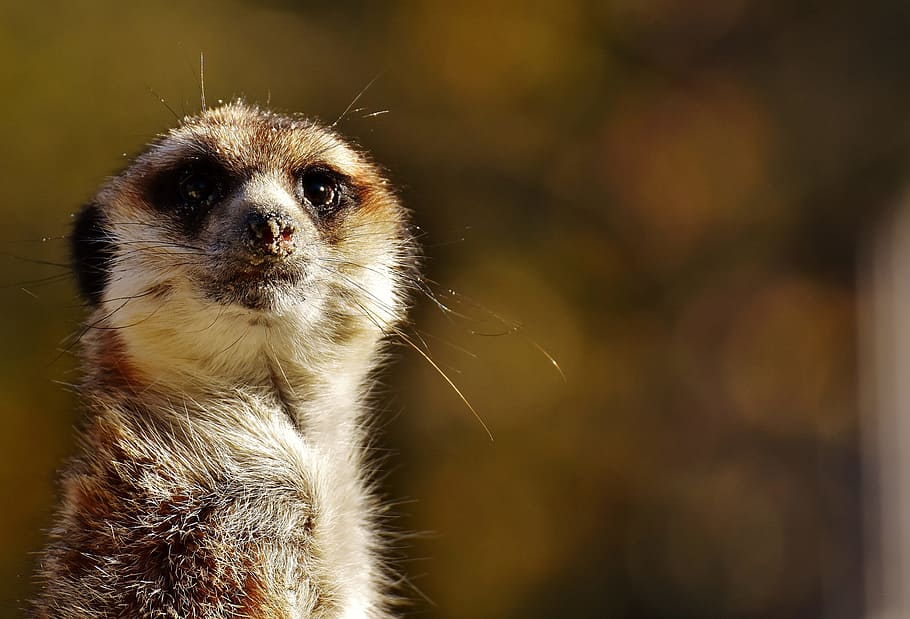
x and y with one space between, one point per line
667 196
884 302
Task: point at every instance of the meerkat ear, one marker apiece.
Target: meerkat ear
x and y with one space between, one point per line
92 252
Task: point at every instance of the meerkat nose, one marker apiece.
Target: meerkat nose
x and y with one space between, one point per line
270 234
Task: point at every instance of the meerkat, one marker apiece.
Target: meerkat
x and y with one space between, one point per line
242 275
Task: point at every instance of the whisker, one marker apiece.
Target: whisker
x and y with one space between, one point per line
212 324
41 281
49 263
422 286
235 342
550 357
164 103
127 326
355 100
284 375
445 377
85 329
202 78
413 345
451 345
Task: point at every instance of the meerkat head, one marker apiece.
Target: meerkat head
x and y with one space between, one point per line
238 233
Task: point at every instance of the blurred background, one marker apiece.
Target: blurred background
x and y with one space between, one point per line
681 203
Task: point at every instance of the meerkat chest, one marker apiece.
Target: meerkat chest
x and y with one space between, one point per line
205 521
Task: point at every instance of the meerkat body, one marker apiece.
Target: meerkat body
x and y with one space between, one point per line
242 275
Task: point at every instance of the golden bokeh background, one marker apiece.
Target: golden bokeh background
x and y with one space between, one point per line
669 198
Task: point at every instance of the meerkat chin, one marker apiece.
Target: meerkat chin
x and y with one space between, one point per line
242 274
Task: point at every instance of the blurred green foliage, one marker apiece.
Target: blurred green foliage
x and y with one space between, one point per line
668 196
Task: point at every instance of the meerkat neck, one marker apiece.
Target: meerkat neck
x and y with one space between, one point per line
260 387
323 397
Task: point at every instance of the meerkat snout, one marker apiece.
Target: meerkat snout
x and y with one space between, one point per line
271 234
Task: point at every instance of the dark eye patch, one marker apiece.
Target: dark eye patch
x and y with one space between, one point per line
188 190
319 189
198 188
324 191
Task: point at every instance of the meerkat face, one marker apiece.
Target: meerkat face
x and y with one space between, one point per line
243 216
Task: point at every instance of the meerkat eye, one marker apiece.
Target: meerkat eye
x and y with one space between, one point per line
197 188
319 189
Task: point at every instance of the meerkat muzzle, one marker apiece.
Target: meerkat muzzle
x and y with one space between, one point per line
270 234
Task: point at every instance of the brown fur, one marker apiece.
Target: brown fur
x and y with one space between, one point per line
219 471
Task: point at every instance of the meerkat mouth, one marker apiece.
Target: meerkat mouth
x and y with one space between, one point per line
259 287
